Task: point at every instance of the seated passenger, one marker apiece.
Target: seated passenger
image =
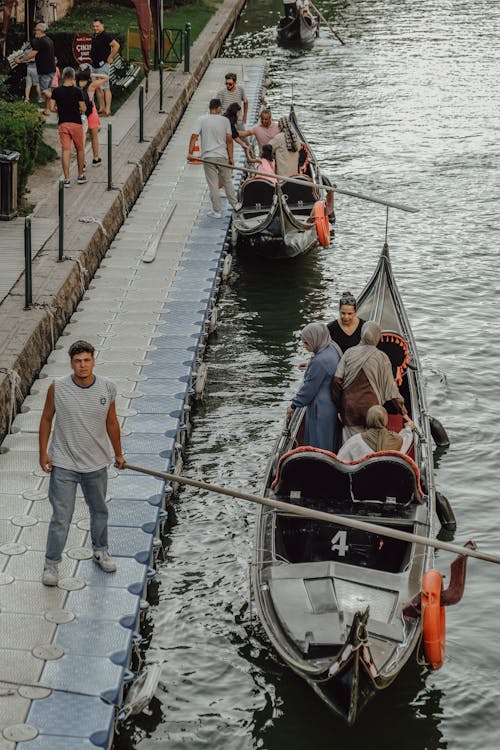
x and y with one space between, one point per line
286 148
321 416
377 437
364 378
266 163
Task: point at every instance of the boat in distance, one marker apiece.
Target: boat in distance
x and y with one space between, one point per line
281 219
302 28
344 605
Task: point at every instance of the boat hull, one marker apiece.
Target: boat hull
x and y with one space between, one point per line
331 598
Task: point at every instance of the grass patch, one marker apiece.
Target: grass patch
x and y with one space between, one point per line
45 154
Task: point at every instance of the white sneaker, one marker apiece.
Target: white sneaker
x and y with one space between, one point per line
50 575
105 561
237 206
215 214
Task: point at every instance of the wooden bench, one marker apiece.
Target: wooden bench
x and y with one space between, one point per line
122 73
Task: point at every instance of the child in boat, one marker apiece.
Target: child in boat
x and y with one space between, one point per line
266 163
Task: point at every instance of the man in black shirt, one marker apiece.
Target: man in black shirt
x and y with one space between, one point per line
70 106
43 52
104 48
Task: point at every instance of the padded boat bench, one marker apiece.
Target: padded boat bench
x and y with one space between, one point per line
122 73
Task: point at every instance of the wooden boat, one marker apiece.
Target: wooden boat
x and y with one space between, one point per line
301 29
283 219
343 606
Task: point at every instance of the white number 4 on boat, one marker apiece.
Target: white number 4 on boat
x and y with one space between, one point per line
339 543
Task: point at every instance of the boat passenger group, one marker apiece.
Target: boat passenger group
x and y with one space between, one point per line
349 388
277 142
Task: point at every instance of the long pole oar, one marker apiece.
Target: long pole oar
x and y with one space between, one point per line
319 515
321 16
329 188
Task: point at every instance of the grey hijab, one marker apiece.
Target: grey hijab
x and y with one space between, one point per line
318 337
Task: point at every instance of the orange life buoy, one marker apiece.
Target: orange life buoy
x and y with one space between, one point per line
433 618
322 223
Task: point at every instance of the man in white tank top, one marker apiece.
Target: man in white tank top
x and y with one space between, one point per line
86 436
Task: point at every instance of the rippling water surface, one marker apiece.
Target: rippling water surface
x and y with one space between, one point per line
406 110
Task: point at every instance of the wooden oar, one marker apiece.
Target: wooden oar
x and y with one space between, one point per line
319 515
321 16
329 188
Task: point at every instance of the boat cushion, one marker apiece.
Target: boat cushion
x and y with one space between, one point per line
257 191
319 474
296 195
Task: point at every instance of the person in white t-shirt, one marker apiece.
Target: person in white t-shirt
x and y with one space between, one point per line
216 147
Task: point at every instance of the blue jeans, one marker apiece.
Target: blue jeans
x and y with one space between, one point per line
62 495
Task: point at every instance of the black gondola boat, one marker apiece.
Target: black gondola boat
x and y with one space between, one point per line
277 218
342 606
299 29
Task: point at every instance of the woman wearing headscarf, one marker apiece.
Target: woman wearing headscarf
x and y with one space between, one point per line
315 393
364 378
286 148
377 437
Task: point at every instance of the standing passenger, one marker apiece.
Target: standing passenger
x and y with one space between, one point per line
315 393
216 150
346 330
264 131
364 378
86 432
286 148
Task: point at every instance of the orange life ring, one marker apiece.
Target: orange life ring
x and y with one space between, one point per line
322 223
433 618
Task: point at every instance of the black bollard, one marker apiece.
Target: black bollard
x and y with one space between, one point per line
160 70
110 157
187 45
61 219
28 288
141 114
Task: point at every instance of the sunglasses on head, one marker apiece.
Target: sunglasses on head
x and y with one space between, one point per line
348 301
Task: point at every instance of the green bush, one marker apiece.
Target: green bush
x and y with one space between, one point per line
21 129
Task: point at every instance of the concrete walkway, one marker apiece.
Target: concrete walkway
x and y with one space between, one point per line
93 215
65 651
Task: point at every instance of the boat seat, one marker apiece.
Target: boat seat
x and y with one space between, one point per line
386 476
314 473
303 196
257 192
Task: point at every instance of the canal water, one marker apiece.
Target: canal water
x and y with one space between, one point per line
406 110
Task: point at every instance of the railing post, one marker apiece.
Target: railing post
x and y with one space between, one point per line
162 111
28 288
61 219
187 45
141 114
110 156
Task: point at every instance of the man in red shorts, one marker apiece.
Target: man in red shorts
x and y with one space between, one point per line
70 106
